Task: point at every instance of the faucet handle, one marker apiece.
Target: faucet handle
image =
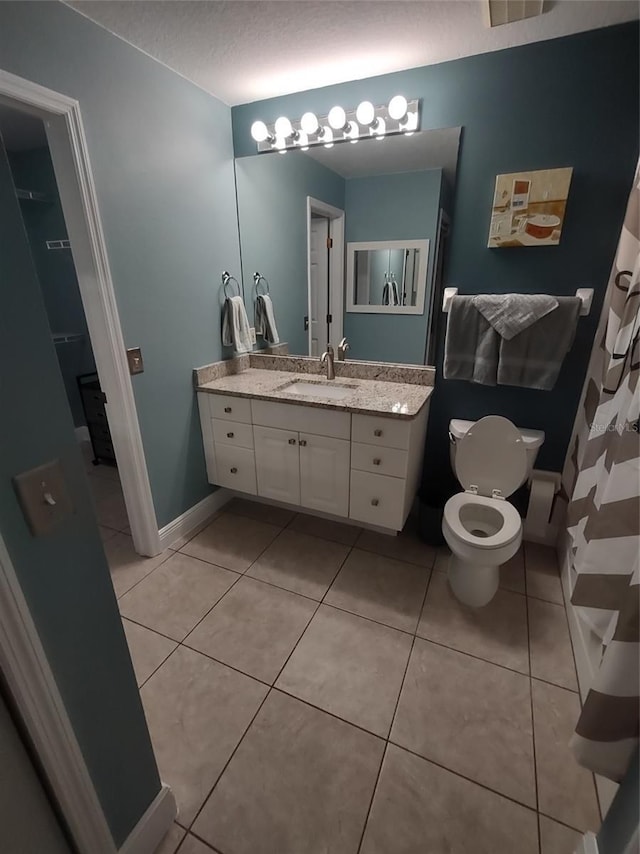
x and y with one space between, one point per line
343 346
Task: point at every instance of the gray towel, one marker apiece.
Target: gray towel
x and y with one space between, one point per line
533 358
510 314
266 320
471 345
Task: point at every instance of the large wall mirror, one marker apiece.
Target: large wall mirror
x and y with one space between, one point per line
351 241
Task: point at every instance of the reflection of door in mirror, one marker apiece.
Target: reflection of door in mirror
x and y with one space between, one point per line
318 284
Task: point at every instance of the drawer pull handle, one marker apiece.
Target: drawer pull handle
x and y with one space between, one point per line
374 502
233 470
292 441
377 433
229 435
377 461
303 442
227 409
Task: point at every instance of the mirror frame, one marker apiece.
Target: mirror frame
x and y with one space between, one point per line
357 308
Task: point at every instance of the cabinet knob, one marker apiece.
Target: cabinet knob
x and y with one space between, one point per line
229 435
227 409
374 502
377 461
303 442
292 441
233 470
377 433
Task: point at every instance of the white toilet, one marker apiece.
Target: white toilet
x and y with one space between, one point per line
491 458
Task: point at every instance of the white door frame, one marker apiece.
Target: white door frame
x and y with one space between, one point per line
336 266
68 148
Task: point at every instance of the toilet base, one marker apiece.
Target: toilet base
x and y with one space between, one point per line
473 584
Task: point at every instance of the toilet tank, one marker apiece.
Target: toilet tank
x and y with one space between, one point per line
533 439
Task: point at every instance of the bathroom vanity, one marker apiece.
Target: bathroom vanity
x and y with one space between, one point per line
350 447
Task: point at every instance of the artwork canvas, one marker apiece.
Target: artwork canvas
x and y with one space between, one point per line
528 208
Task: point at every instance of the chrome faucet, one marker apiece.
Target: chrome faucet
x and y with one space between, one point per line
343 346
327 357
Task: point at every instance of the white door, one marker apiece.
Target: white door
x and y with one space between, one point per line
319 285
277 464
324 474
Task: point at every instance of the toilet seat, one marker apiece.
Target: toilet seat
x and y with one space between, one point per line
511 525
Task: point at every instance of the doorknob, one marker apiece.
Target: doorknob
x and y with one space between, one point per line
292 441
303 442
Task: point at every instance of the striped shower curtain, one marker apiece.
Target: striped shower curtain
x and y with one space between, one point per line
602 478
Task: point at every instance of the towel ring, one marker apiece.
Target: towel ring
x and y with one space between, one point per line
259 279
227 279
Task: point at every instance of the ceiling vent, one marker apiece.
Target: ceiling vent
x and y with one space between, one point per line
507 11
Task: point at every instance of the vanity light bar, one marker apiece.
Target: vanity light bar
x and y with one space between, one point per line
339 125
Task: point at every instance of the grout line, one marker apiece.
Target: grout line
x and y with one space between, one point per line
533 721
463 776
559 821
373 794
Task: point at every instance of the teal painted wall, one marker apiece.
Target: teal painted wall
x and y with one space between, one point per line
401 206
33 170
567 102
64 576
272 212
623 818
161 155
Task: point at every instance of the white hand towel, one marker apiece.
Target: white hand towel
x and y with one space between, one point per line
235 326
265 319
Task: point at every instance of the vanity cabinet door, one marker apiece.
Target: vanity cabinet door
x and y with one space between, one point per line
277 464
324 474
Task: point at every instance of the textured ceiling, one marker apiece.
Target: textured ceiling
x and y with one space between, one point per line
243 51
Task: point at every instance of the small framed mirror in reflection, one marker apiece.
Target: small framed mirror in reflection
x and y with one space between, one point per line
387 277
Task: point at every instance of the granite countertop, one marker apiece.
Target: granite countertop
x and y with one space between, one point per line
369 397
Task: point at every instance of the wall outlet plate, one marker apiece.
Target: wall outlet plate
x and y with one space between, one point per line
44 498
252 334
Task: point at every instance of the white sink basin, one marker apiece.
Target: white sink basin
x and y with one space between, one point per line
326 390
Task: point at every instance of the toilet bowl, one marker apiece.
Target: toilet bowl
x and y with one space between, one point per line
492 459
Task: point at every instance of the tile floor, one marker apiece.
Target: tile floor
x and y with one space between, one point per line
311 687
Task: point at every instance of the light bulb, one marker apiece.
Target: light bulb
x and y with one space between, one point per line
309 123
365 113
337 118
280 144
302 140
259 131
379 129
325 134
398 107
283 127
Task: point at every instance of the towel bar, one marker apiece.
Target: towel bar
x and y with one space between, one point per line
583 294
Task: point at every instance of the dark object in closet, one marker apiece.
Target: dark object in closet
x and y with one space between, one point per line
93 401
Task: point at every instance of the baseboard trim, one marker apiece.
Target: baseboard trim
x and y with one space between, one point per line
194 516
82 434
588 844
149 832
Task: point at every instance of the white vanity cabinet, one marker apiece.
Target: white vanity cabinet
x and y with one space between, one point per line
362 467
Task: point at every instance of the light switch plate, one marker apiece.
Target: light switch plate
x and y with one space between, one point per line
252 334
43 497
134 358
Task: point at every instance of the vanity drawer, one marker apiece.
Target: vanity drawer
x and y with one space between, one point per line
389 461
377 499
236 468
232 433
302 419
374 430
231 408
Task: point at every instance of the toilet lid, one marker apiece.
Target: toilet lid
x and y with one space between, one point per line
491 456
